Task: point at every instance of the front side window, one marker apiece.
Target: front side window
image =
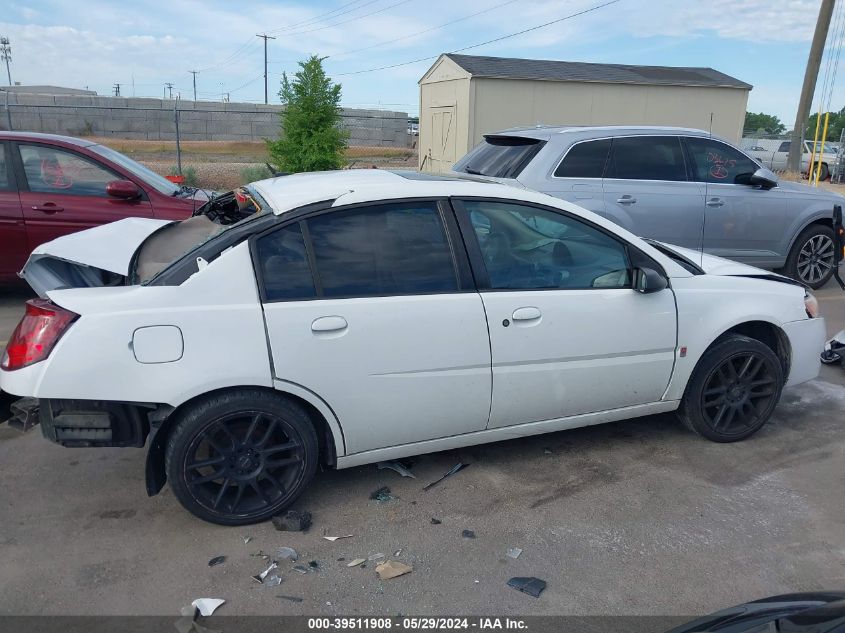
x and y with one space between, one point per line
283 261
398 248
530 248
647 158
716 162
784 147
56 171
5 183
584 160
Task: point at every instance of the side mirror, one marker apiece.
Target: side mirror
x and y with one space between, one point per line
648 280
763 178
123 189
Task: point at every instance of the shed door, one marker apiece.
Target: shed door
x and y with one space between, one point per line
443 138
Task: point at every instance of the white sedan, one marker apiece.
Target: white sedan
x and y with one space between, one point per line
350 317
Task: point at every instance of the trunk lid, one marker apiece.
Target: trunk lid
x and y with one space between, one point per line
100 256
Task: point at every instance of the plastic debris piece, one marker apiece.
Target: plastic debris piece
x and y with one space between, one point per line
356 562
336 538
313 564
260 577
375 556
396 467
530 585
246 539
207 606
382 495
514 552
292 521
273 581
189 612
435 521
290 598
468 534
185 625
397 552
454 469
217 560
301 569
286 553
392 569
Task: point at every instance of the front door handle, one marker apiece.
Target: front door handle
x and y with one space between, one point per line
528 313
715 202
47 207
329 324
626 199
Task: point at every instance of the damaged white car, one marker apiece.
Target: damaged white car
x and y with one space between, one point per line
343 318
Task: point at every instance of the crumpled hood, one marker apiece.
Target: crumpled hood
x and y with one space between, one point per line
713 265
80 259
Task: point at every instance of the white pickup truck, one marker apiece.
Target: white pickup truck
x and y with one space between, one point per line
773 154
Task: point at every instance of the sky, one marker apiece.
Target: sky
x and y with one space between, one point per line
142 45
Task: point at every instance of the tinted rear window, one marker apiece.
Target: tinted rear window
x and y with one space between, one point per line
500 156
584 160
647 158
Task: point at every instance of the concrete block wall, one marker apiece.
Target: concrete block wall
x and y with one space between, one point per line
153 119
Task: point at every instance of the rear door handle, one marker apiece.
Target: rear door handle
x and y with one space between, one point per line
626 199
47 207
528 313
715 202
329 324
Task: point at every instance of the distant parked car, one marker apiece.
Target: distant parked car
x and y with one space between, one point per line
53 185
677 185
773 154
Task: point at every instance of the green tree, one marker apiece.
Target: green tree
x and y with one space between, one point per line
761 123
834 126
311 137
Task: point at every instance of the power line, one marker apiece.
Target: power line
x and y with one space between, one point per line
319 18
433 28
496 39
356 18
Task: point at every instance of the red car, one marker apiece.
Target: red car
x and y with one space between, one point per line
53 185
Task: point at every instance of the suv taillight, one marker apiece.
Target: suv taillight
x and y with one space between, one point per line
41 327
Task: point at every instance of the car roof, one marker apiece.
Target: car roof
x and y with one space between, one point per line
39 136
547 132
350 186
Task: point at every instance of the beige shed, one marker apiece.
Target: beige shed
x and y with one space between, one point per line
464 97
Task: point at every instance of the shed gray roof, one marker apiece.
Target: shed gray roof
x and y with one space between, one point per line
551 70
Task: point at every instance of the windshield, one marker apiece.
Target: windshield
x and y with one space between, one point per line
500 156
160 183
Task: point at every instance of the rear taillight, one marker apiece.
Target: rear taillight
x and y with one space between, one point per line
41 327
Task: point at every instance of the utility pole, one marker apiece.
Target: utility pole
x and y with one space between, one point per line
116 89
170 88
6 54
265 37
194 73
793 161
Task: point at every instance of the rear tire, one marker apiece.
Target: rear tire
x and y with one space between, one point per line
733 390
241 457
811 259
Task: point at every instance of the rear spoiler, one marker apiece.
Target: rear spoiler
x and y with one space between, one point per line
838 243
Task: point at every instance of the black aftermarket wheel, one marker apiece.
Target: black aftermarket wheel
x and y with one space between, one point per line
240 458
733 390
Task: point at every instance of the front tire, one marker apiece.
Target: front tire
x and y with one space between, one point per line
733 390
241 457
811 259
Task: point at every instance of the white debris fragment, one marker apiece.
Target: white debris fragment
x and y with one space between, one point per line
207 606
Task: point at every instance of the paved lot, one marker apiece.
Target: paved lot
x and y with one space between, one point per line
637 517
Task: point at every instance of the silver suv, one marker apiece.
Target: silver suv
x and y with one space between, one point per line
676 185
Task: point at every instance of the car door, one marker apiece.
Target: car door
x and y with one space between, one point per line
568 334
646 190
578 176
63 191
366 308
13 247
742 221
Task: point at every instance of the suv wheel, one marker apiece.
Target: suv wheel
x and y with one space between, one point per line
811 259
241 457
733 390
